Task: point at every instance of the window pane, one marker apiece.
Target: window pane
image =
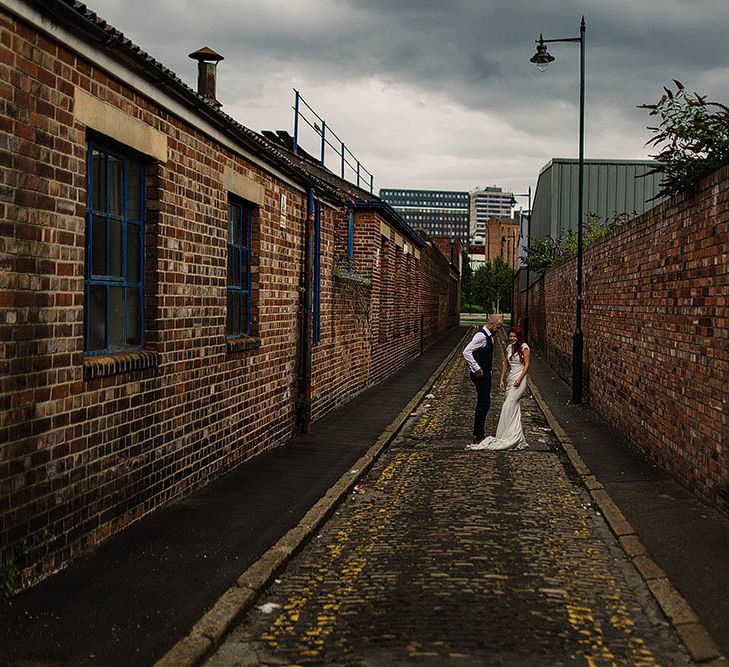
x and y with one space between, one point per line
98 246
133 257
115 184
244 227
244 313
244 272
134 192
234 313
115 248
96 311
116 318
237 230
233 266
134 318
234 212
98 181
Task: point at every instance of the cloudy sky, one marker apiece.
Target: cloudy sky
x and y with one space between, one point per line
441 93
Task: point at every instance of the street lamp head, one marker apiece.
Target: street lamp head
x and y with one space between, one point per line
542 57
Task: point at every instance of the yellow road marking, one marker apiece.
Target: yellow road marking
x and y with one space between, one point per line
313 638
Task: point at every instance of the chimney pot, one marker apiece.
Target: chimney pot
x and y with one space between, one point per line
207 63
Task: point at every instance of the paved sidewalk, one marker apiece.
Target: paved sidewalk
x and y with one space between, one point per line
447 556
143 590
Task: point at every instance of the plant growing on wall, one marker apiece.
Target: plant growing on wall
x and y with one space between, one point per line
545 252
28 551
343 271
357 287
692 139
549 251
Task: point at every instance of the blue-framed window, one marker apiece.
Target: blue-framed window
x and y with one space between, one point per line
317 272
114 280
238 321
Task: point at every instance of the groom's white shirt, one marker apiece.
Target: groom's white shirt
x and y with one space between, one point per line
478 340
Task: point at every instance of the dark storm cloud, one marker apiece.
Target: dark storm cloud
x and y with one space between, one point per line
469 58
462 47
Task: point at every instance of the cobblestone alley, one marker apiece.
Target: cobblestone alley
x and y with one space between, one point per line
447 556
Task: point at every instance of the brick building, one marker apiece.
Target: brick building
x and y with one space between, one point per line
178 294
500 239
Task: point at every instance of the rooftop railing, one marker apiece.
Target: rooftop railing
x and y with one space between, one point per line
350 168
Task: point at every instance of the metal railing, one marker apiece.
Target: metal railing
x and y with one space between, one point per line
343 153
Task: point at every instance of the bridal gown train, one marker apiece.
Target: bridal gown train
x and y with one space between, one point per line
509 433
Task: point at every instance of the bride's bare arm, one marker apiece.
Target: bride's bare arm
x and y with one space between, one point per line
522 375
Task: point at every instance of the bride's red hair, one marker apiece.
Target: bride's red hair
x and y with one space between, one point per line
519 345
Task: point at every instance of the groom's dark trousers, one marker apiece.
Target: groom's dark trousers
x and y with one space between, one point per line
484 358
483 402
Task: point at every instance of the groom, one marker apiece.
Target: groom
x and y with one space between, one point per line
479 354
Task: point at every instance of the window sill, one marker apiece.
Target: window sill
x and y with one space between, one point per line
242 344
122 362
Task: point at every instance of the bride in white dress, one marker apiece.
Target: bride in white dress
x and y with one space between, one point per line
509 433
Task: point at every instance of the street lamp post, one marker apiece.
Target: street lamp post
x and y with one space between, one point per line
514 239
541 59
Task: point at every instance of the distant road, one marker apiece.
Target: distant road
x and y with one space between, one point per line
471 318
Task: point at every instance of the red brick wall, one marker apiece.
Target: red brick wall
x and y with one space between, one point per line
439 293
374 329
91 444
656 328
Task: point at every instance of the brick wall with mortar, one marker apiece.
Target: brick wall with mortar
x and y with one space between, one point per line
656 328
342 359
439 291
90 444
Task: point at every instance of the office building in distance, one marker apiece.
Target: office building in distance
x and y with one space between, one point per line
486 203
440 213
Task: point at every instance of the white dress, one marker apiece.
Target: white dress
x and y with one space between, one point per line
509 433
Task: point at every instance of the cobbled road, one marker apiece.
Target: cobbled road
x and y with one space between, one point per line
451 557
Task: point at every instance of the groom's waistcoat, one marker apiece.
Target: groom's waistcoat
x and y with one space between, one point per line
484 355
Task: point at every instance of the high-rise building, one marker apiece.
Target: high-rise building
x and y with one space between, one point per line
441 213
485 203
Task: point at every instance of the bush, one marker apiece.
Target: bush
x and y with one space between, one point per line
692 139
549 251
